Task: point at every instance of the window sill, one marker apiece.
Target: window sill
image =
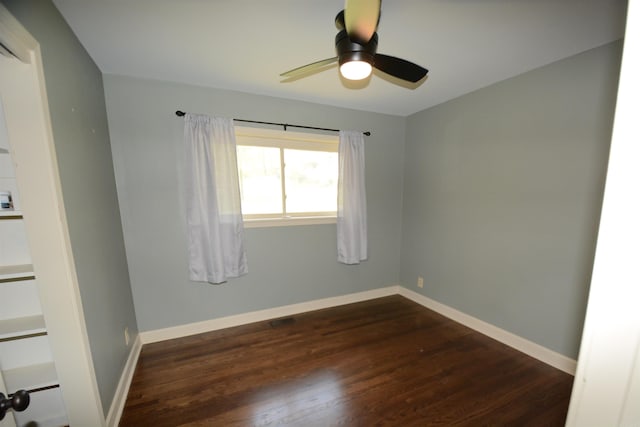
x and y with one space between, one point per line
289 221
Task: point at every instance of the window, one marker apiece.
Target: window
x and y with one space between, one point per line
287 178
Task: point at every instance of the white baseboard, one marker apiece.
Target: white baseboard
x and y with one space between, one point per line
262 315
122 390
530 348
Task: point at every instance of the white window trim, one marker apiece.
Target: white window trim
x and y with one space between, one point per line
288 221
250 136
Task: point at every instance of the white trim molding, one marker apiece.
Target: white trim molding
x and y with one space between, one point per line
122 390
530 348
262 315
15 38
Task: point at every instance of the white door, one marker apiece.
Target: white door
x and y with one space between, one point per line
606 389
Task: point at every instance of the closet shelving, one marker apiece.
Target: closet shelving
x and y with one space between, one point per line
15 273
26 361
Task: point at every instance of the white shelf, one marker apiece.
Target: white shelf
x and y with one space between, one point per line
11 328
45 410
31 377
16 271
10 213
58 421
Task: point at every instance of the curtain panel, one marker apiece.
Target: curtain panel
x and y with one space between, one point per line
214 216
352 199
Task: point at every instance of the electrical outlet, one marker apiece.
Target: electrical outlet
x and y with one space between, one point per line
126 336
420 282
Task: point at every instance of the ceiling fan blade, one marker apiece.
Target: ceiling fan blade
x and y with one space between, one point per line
309 67
399 68
361 19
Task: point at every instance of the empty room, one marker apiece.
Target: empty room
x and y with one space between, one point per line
244 213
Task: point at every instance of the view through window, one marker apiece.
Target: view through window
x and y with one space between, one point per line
287 176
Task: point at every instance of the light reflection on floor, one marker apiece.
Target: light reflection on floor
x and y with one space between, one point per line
296 399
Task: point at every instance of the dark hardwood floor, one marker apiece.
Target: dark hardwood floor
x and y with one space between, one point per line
387 362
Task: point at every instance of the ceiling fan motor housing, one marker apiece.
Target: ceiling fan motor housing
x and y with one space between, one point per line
349 50
356 51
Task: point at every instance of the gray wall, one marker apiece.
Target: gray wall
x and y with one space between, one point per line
502 192
286 264
502 196
76 102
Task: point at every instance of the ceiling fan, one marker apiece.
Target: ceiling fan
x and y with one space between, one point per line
356 45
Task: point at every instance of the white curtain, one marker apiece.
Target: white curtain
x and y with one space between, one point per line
352 199
214 216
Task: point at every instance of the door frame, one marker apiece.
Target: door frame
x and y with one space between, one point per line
33 151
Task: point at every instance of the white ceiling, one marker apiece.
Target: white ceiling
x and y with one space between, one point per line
245 44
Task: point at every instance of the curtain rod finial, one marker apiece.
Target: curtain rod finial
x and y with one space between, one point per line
180 113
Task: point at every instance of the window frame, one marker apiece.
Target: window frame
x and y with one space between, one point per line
281 139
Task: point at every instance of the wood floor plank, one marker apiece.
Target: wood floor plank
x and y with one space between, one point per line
388 362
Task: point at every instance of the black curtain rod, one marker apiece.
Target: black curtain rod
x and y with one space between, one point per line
285 125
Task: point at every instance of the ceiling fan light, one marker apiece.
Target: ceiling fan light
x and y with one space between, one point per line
355 70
